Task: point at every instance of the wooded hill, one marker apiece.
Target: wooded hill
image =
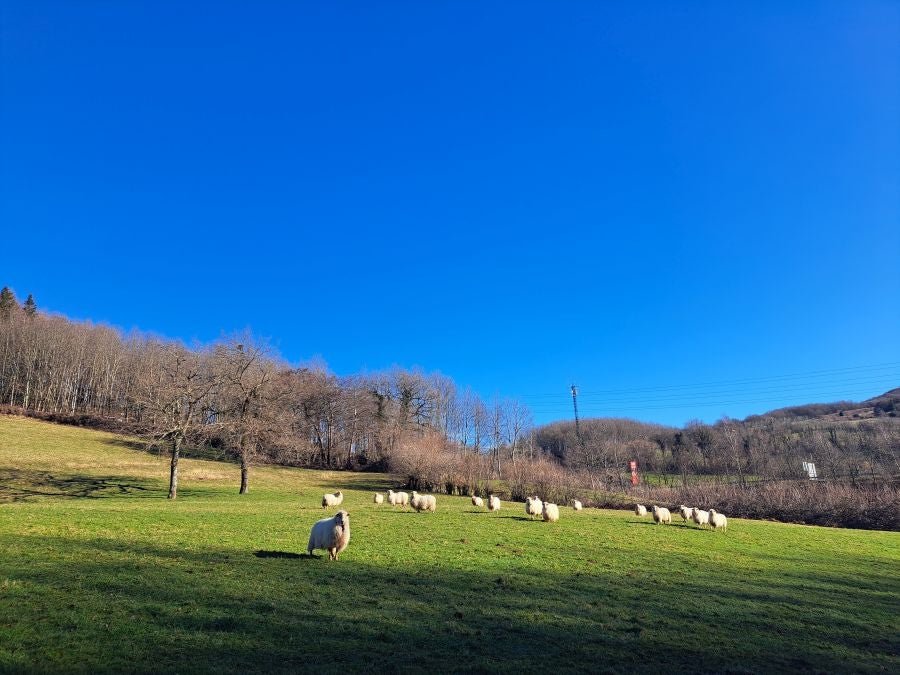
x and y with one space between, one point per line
237 397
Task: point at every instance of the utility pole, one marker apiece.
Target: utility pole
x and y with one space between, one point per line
575 406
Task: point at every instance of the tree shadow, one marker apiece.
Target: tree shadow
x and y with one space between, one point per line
365 484
228 610
127 443
21 485
163 449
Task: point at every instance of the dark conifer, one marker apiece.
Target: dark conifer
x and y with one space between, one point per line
7 302
30 306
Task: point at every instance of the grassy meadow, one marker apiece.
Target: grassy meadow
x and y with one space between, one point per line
99 572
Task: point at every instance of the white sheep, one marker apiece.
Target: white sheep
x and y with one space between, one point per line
686 512
379 498
640 510
332 500
493 503
577 505
330 534
398 498
477 501
533 506
423 502
701 517
662 515
718 521
551 512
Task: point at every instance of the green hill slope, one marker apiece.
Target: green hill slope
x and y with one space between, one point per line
99 572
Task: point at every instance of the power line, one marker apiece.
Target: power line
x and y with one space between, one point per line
700 404
854 383
793 376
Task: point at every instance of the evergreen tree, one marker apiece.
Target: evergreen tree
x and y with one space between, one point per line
7 302
30 306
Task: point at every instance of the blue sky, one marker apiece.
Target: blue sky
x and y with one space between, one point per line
688 209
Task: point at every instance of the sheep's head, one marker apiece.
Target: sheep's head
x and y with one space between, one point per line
338 494
342 518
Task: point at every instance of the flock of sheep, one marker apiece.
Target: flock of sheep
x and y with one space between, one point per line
333 534
662 516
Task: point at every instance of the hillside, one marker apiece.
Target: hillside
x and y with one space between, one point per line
99 572
887 404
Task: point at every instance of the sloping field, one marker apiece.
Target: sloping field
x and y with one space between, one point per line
99 572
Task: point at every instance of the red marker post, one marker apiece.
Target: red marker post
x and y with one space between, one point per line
634 477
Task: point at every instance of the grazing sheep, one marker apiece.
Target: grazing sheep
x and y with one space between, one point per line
661 515
332 500
379 498
686 512
330 534
533 506
718 521
477 501
577 505
640 510
398 498
701 517
551 512
493 503
423 502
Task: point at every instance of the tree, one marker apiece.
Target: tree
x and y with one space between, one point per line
497 422
30 307
248 396
175 390
7 302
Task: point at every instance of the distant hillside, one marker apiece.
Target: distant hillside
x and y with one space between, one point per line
887 404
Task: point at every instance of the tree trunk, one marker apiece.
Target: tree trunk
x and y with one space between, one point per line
173 471
245 471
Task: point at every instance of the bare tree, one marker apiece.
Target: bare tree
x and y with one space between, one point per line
175 390
248 396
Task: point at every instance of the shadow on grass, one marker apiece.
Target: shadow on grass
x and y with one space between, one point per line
277 554
227 611
128 444
163 450
20 485
366 482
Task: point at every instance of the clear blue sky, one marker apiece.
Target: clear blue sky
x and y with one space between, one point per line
630 196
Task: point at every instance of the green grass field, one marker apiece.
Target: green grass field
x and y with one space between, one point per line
99 572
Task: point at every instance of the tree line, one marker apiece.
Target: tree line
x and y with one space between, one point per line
755 449
239 396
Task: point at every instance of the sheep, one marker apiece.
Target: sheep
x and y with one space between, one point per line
533 506
577 505
477 501
332 500
701 517
551 512
423 502
718 521
493 503
379 498
640 510
330 534
686 512
661 515
398 498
